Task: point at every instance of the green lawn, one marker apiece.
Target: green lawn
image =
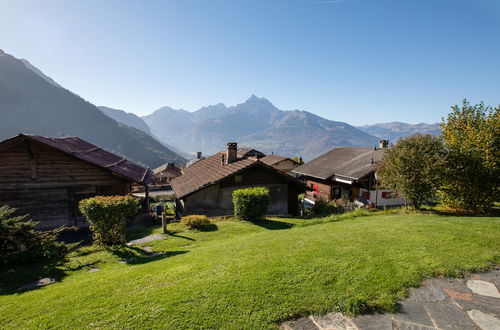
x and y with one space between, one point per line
240 275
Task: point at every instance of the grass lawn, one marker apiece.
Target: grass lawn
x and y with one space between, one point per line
241 275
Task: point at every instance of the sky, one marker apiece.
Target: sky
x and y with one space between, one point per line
358 61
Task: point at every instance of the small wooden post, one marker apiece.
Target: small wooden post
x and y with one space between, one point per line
146 195
164 222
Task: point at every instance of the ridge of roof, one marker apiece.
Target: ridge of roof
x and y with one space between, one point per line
351 162
93 154
209 171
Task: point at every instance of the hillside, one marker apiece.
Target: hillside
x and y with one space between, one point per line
33 104
126 118
394 130
257 123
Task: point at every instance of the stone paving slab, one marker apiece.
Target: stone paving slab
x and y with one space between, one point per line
146 239
485 321
41 282
483 288
449 316
442 303
413 312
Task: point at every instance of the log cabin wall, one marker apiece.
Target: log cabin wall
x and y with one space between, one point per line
48 184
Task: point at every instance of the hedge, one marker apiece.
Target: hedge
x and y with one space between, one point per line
251 204
107 216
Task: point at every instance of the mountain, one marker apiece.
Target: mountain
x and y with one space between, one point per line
126 118
33 103
132 120
308 135
257 123
394 130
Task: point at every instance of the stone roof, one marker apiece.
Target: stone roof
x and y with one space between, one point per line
88 152
352 163
245 152
274 159
168 167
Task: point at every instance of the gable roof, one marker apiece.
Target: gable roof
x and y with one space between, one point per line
353 163
88 152
245 152
274 159
209 171
168 166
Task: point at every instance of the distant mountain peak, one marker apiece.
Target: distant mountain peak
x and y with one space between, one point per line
253 99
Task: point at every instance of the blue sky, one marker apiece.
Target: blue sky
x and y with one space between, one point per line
359 61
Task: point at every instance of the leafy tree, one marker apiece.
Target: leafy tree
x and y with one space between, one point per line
412 168
471 135
298 160
20 242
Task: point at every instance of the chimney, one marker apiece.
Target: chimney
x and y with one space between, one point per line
383 144
222 160
198 155
232 152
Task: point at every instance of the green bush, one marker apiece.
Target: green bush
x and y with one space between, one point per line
107 216
251 204
195 221
20 242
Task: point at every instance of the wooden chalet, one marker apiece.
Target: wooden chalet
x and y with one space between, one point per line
47 177
281 163
206 186
165 173
349 172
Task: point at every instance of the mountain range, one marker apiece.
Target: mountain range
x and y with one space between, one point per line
259 124
394 130
33 103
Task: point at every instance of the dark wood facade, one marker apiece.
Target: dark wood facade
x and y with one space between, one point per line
47 183
329 190
216 199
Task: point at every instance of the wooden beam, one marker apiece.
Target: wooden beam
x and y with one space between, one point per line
33 165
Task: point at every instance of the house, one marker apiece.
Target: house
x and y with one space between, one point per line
47 177
206 187
281 163
349 172
165 173
246 152
194 160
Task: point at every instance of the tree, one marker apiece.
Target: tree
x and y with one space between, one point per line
21 242
471 134
413 167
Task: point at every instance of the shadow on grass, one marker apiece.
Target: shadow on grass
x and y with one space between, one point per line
274 224
154 257
15 276
462 213
210 227
136 233
180 236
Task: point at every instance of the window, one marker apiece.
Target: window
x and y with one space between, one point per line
238 178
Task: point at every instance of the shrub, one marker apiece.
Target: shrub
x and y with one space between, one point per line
323 208
251 204
107 216
195 221
20 242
